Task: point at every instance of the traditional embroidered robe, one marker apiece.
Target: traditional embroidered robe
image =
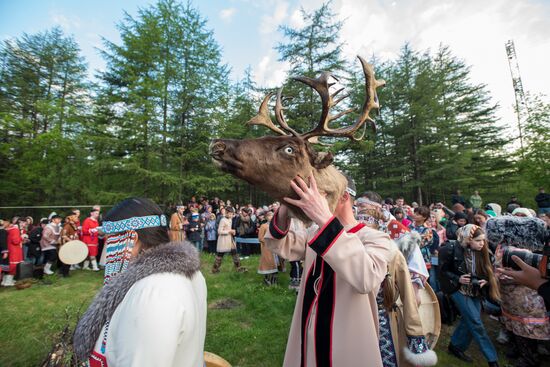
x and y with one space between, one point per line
15 247
335 320
177 232
91 239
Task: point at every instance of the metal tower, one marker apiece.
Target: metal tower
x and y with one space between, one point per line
522 111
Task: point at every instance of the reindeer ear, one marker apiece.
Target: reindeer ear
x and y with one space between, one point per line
323 160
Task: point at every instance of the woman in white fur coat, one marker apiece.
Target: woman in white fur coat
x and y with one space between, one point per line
152 309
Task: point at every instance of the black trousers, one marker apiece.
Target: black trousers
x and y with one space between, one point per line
212 246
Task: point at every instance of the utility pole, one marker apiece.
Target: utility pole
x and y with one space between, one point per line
522 111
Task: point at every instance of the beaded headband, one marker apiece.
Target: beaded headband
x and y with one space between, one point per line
367 201
134 223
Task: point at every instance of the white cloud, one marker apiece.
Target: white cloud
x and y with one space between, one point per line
269 72
227 14
296 20
475 32
270 23
67 23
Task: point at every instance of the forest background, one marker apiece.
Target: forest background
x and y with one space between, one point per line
143 125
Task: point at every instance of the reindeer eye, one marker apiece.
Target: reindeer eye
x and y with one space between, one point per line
289 150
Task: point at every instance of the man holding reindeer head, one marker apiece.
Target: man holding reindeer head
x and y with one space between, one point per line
335 320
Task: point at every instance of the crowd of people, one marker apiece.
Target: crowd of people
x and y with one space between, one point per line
445 248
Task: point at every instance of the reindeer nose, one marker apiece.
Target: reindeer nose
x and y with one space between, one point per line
217 148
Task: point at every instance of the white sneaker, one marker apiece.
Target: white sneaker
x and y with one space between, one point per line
503 337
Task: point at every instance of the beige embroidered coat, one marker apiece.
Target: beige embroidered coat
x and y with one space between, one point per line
225 238
335 319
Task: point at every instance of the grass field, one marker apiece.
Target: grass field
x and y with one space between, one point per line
247 322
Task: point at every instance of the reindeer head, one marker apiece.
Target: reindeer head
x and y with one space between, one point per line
271 162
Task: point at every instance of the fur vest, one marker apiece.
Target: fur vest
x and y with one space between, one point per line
174 257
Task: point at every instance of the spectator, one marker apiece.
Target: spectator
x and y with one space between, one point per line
459 220
245 228
399 215
480 218
475 200
543 201
268 260
4 257
226 243
400 201
429 239
178 221
35 252
529 277
51 237
193 231
69 233
211 233
435 223
467 275
514 201
522 212
15 249
458 198
90 237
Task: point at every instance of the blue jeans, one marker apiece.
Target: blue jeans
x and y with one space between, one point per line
198 245
471 327
544 210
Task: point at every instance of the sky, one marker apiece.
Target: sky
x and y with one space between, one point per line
247 31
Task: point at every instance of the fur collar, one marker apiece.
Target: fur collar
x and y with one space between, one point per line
175 257
408 243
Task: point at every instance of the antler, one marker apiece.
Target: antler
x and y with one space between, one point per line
322 85
262 118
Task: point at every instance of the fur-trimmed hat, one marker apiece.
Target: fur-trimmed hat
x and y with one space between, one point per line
522 232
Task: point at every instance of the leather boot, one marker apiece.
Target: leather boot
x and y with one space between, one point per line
217 264
237 263
493 364
459 354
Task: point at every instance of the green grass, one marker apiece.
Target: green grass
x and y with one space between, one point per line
253 333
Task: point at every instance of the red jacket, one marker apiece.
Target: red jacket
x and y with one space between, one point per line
89 238
14 236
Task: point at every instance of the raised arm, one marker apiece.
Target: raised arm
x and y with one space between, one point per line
289 243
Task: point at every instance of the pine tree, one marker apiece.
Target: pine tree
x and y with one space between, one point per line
310 50
165 84
437 130
44 97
